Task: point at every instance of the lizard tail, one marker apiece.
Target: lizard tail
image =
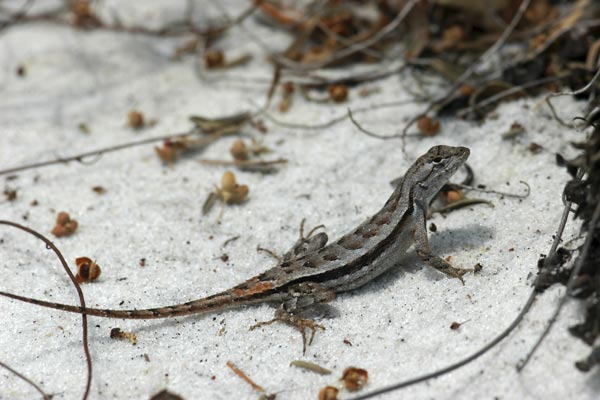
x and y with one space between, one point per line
212 303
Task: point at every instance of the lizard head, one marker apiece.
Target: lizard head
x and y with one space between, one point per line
432 170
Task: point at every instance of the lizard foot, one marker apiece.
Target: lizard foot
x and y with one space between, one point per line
442 265
300 324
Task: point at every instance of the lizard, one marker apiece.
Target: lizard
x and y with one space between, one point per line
313 272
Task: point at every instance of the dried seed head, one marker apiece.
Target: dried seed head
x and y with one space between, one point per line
354 378
329 393
87 270
136 119
288 88
453 34
117 333
239 150
62 218
338 93
428 126
65 226
228 182
171 150
239 194
83 15
214 58
81 9
11 195
466 90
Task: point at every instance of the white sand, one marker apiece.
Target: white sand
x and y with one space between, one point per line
399 326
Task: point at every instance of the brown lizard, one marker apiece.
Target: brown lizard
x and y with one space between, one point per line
313 272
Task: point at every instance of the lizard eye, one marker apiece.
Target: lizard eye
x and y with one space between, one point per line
437 160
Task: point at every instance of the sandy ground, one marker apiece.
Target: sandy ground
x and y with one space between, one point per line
396 327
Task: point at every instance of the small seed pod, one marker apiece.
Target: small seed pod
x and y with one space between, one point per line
428 126
136 119
65 226
329 393
87 270
228 182
338 93
239 150
354 378
214 58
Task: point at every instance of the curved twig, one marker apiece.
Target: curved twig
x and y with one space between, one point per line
45 396
457 365
369 133
573 93
505 194
52 246
334 120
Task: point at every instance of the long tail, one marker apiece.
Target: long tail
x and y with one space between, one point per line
216 302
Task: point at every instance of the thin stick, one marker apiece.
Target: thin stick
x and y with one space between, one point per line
245 377
576 92
26 379
50 245
505 93
458 364
335 120
570 284
99 152
369 133
505 194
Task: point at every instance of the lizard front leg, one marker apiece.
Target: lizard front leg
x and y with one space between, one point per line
303 297
306 244
424 252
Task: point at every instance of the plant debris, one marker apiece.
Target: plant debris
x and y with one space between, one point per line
87 270
242 375
230 192
311 367
329 393
10 194
354 378
135 119
117 333
428 126
65 226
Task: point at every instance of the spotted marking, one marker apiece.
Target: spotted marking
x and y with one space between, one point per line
370 233
330 257
351 243
381 219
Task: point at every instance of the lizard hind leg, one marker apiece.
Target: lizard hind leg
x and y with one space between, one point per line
304 298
